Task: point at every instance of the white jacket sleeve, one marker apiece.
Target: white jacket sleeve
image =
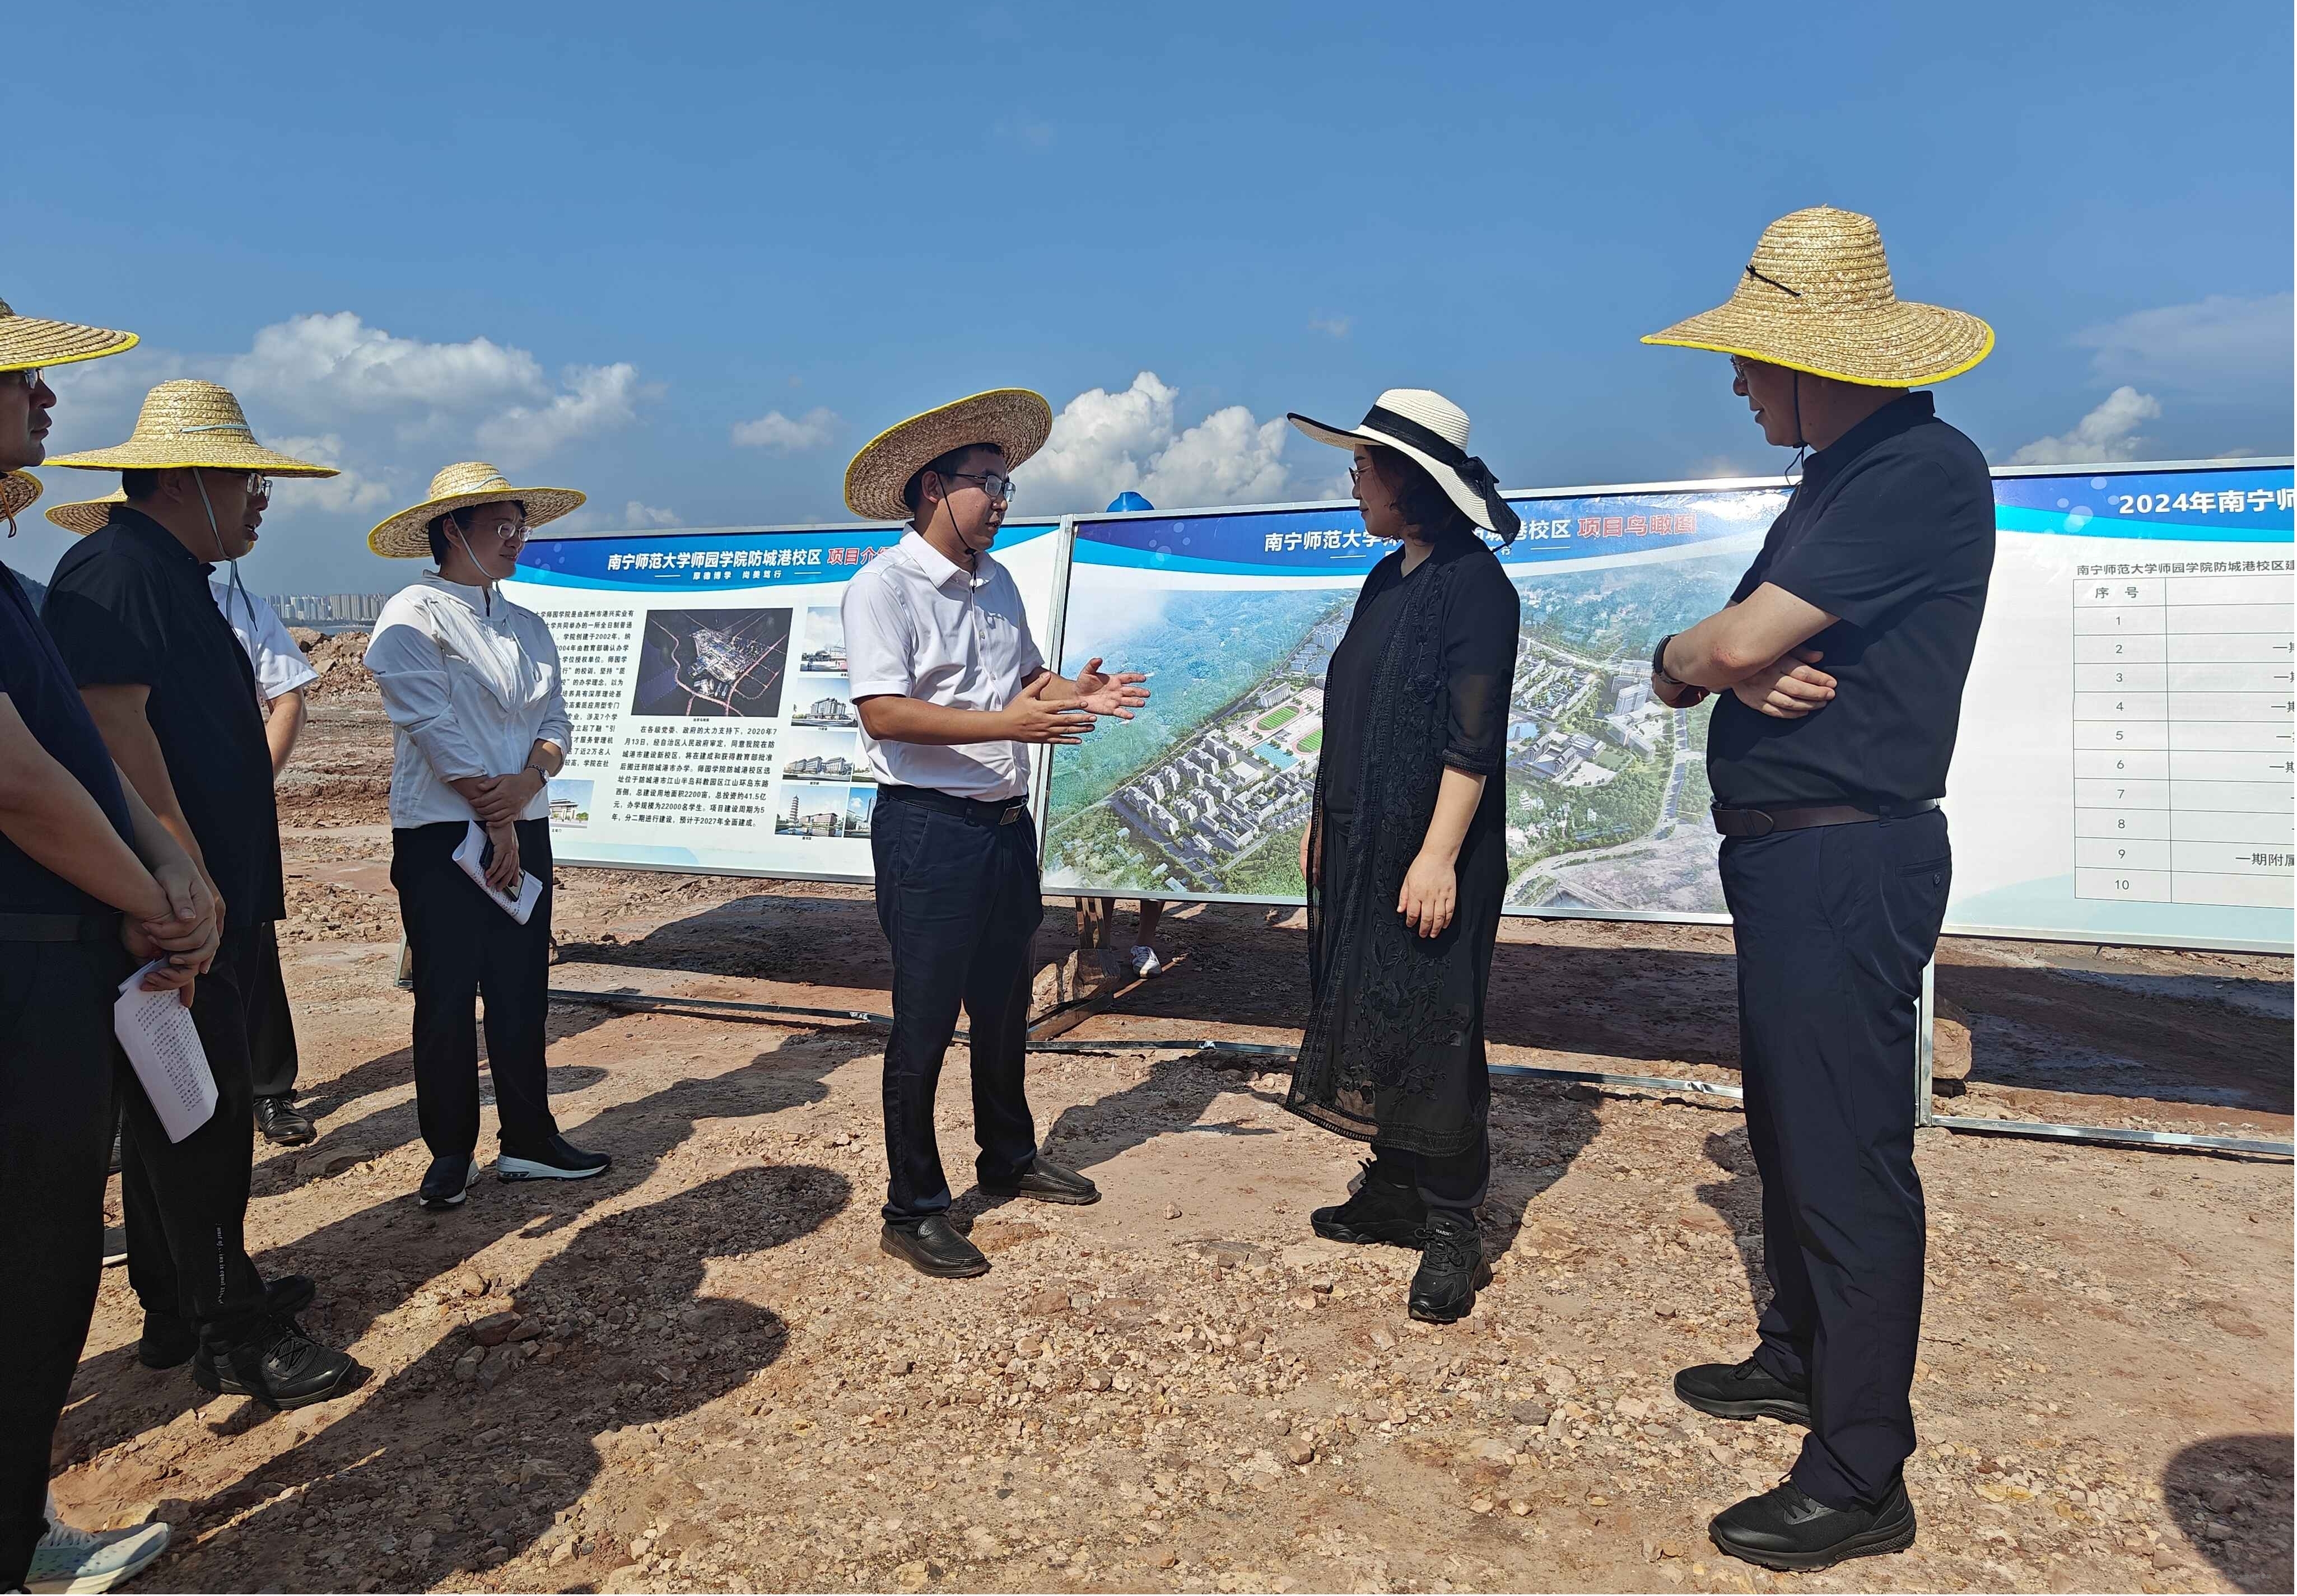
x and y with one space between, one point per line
412 672
558 727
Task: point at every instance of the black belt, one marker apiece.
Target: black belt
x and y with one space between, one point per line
59 928
1762 822
1006 811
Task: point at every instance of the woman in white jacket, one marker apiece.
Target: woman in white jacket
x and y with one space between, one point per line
479 726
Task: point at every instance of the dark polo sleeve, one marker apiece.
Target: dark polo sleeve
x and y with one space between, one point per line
109 621
1874 547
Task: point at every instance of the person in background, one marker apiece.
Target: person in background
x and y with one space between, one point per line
1405 854
1838 667
1097 928
479 727
91 884
173 694
950 690
282 674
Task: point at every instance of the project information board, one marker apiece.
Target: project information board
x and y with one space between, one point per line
705 675
2124 771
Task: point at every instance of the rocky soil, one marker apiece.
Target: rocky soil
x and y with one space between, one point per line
698 1373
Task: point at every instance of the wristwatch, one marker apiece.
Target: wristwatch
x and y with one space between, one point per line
1659 670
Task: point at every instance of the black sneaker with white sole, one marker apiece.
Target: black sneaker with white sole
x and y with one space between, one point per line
447 1181
279 1366
556 1159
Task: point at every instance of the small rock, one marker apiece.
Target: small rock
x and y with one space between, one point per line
1170 1560
1050 1303
910 1577
2164 1558
1481 1504
495 1557
498 1365
1096 1381
1172 1210
1383 1339
494 1329
471 1282
1490 1450
1029 1346
466 1367
1299 1449
422 1541
982 1544
1518 1507
2216 1529
1530 1412
2222 1501
898 1367
563 1552
529 1329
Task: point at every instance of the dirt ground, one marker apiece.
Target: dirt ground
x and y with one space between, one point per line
699 1373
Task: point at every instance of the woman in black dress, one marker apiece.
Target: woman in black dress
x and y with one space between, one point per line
1405 854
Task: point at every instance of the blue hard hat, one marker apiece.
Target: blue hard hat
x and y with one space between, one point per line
1128 500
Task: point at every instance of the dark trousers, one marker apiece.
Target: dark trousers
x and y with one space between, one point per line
186 1201
270 1022
1833 925
957 897
55 1141
1457 1181
465 947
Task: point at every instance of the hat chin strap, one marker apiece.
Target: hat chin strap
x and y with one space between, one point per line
238 587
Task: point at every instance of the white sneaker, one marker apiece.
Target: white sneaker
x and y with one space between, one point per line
76 1560
1145 962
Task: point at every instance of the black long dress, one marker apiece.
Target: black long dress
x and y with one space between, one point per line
1393 1049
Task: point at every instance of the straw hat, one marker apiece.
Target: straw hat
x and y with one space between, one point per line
405 536
85 515
1422 424
1013 419
186 423
18 490
26 341
1817 298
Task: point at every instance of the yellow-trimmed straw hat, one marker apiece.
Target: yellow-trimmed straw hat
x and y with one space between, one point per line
406 535
18 490
1817 298
1014 419
82 516
27 342
190 423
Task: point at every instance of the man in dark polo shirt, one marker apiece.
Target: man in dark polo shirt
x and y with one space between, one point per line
1840 662
175 697
90 885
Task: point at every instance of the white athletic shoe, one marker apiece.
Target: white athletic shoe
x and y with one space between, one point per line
1145 962
89 1560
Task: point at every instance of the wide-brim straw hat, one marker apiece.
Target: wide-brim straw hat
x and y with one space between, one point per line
1012 419
190 423
82 516
18 490
27 342
1817 298
406 535
1433 431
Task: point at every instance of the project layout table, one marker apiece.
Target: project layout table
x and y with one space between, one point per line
2183 759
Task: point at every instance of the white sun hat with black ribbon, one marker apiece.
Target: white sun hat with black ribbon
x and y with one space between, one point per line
1433 431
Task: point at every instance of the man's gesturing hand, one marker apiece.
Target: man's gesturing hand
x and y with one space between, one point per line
1789 687
1029 718
1117 695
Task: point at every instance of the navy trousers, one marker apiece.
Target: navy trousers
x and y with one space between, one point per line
1833 925
957 897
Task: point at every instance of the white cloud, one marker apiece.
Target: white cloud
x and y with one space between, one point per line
353 492
596 398
1105 443
1336 326
634 514
2109 433
2211 344
338 365
777 431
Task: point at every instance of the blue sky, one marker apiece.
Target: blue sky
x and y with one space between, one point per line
689 257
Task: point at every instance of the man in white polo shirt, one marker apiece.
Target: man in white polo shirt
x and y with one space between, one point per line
950 690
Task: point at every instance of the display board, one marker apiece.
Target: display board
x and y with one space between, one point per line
2123 773
715 728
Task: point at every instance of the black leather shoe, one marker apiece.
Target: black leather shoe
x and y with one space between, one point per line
279 1366
168 1341
447 1181
1451 1269
1382 1210
556 1159
932 1245
1742 1391
281 1122
1048 1182
1782 1528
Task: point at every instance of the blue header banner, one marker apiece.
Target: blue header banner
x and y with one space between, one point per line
733 560
2203 505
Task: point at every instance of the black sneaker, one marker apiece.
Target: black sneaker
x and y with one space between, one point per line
1742 1391
168 1341
1451 1269
1382 1210
447 1181
932 1245
279 1366
1784 1529
281 1122
1047 1182
557 1159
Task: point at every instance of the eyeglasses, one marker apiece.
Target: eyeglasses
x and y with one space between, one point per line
26 377
258 486
516 532
1742 368
995 484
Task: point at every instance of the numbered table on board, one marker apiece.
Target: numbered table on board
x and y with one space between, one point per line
2182 690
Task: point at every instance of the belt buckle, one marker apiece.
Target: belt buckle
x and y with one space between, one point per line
1013 812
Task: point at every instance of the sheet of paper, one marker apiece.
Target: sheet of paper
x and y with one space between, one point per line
156 1030
472 856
